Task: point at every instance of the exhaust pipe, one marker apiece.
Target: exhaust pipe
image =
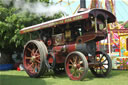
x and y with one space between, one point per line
82 6
82 3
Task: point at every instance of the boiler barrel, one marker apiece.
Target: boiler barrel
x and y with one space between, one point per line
85 48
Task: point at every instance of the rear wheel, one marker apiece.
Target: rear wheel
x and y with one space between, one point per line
34 58
76 66
104 65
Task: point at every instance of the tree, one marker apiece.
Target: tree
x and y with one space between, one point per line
11 21
126 25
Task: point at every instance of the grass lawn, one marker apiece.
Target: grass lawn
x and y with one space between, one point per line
13 77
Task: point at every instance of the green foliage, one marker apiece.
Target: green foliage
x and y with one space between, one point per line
46 1
120 22
126 25
12 21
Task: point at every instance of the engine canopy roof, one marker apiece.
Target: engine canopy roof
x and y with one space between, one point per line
64 20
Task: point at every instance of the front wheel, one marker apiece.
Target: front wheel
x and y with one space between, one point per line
34 58
104 65
76 66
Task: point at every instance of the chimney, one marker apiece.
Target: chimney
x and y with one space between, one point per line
82 6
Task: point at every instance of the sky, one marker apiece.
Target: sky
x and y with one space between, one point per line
120 7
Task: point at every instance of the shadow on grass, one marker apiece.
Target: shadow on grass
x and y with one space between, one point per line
89 76
112 74
63 75
48 78
21 80
54 75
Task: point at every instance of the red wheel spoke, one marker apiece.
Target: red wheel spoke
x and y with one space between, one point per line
33 52
29 49
30 66
38 56
73 73
27 57
80 71
75 59
37 61
81 62
78 60
33 70
30 61
36 52
70 65
71 61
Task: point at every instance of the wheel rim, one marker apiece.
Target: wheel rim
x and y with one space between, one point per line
75 67
103 67
32 58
